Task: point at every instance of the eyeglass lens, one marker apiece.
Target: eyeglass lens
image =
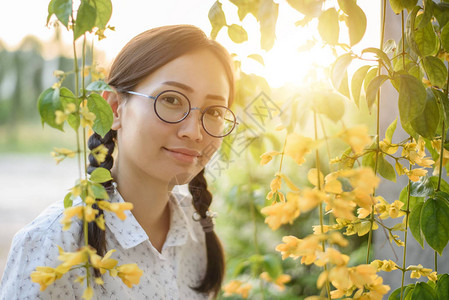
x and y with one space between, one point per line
173 107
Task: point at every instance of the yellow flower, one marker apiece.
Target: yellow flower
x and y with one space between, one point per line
384 265
395 209
415 174
312 176
100 153
60 154
70 108
289 183
267 157
332 256
342 206
88 293
310 199
129 273
69 213
282 212
339 277
70 259
45 276
100 222
105 263
362 275
337 238
60 117
419 270
290 248
117 208
237 287
357 137
275 186
279 281
87 117
298 146
387 147
90 213
432 276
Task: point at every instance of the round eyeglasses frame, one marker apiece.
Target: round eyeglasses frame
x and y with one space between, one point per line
202 111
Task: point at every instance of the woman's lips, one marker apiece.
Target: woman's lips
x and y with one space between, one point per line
183 154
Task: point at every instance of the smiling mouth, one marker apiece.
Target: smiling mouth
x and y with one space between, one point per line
182 156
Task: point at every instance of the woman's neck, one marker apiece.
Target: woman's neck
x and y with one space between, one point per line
150 198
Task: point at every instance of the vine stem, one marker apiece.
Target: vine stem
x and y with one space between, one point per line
318 169
83 87
407 212
382 37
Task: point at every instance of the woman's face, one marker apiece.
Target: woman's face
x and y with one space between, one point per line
172 153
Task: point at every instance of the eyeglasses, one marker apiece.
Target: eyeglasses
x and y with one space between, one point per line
173 107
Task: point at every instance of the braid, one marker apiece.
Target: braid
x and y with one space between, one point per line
202 199
96 236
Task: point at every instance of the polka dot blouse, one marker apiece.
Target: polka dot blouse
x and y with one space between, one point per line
168 274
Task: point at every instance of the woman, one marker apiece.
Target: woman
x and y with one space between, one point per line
173 89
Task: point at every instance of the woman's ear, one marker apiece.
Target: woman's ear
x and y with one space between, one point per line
115 101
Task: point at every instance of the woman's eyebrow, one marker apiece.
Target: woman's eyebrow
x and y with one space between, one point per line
191 90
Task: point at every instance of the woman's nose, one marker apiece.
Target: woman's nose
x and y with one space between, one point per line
192 126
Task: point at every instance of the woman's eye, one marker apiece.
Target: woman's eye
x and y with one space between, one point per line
216 113
171 100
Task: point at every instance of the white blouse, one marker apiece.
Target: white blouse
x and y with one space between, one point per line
166 275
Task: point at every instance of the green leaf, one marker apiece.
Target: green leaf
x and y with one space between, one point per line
373 87
68 202
410 30
398 5
435 70
344 86
435 223
66 97
415 223
85 19
443 99
356 20
412 98
414 201
103 111
272 265
50 10
328 26
441 13
427 15
426 123
339 69
99 86
100 175
396 295
257 58
385 169
357 81
369 160
62 10
422 188
237 33
442 288
445 37
331 104
369 76
380 54
423 291
48 103
99 191
267 16
390 131
444 186
104 11
426 39
217 19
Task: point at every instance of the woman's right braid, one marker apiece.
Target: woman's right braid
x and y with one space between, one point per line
97 237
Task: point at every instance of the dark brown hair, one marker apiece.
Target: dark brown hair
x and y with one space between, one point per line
143 55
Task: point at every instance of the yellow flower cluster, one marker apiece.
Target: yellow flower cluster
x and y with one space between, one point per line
278 281
384 265
385 210
437 145
237 287
129 273
87 117
61 116
419 270
357 137
59 154
281 212
100 153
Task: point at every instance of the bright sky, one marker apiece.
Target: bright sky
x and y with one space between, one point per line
19 18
